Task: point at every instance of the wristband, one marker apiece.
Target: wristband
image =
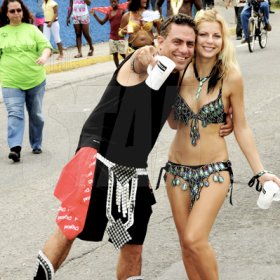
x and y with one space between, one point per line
256 179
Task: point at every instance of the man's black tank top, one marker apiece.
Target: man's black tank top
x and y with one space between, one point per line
128 120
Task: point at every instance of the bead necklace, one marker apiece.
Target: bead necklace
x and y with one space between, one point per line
201 80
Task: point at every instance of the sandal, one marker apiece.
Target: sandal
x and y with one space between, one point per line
60 57
78 55
90 53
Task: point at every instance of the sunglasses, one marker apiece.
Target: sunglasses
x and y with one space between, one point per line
13 11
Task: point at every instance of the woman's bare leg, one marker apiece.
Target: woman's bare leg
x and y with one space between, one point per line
78 32
85 29
201 219
180 206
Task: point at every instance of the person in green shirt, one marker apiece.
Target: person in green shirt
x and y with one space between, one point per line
23 52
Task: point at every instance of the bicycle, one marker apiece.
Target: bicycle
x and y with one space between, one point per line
256 27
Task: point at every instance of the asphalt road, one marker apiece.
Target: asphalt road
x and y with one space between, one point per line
246 239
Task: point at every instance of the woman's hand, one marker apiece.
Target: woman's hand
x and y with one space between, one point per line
44 57
68 21
41 60
269 177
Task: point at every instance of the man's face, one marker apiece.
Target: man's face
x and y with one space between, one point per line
178 45
114 3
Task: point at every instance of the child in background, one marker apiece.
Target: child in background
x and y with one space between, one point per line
51 24
39 15
117 44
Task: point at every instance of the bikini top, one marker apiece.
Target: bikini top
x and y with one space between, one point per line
140 25
210 113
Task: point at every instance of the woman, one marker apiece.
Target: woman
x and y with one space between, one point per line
140 33
51 25
23 52
80 17
197 176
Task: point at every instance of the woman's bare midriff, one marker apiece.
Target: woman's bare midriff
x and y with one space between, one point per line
209 148
142 38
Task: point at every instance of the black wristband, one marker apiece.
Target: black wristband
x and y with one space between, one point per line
255 179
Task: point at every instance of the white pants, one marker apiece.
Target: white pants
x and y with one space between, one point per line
54 30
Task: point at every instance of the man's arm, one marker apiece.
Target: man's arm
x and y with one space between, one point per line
198 4
101 21
227 127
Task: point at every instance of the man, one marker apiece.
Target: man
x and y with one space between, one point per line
246 13
238 7
179 6
123 127
117 44
112 185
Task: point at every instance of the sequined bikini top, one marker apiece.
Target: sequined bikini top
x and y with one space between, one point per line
213 112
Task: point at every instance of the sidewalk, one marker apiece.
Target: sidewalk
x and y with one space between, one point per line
69 62
101 50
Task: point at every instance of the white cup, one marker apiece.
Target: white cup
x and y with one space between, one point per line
129 29
270 192
159 73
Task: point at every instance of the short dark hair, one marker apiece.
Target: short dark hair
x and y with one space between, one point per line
135 5
180 19
27 16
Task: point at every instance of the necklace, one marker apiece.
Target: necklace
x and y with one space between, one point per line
201 81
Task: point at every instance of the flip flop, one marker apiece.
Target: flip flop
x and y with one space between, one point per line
78 55
90 53
60 57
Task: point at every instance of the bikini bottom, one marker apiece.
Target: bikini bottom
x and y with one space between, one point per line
196 177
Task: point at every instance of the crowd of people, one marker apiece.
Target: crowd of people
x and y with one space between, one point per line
105 187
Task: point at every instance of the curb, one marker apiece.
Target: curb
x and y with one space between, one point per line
70 65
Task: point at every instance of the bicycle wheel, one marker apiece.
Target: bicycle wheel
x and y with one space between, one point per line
251 34
262 35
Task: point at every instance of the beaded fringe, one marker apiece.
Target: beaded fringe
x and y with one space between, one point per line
125 199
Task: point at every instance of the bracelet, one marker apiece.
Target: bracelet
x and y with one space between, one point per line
257 176
256 179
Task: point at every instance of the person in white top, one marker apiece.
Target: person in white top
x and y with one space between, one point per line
80 17
51 24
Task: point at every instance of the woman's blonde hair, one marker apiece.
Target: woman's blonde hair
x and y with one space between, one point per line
227 58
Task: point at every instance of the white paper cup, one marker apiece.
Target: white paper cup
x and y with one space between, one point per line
129 29
159 73
269 191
